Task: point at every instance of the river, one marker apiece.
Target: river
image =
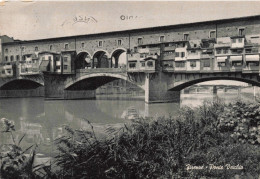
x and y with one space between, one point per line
42 121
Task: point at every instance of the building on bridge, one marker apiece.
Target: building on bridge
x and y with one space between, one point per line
171 57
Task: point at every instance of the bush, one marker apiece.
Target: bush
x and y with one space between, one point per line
243 121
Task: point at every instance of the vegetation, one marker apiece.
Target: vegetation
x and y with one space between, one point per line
205 137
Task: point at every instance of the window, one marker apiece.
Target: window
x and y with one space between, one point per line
135 49
193 63
36 49
206 63
237 63
132 65
222 64
100 43
17 57
186 36
50 47
180 64
6 50
252 63
212 34
248 50
119 42
66 46
182 54
240 40
65 59
161 39
192 51
143 64
65 67
150 64
233 40
225 51
140 41
49 58
241 31
218 51
6 58
12 58
57 67
239 50
177 54
82 45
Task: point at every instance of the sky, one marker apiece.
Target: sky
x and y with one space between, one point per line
39 20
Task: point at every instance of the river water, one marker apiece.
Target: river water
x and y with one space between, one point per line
42 121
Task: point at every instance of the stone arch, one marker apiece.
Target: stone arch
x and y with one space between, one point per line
17 84
101 59
116 61
83 60
181 85
98 79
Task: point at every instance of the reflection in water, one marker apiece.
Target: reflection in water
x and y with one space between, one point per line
42 121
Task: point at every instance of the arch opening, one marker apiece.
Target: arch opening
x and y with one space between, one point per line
94 81
101 60
83 61
197 81
118 59
20 84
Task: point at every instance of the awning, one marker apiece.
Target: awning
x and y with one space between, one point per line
44 65
236 58
88 60
252 58
221 59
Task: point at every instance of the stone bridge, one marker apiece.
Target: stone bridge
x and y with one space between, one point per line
158 87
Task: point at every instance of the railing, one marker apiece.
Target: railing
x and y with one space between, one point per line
102 70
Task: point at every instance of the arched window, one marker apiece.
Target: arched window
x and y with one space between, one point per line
12 58
17 57
6 58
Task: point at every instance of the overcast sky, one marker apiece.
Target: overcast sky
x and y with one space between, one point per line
37 20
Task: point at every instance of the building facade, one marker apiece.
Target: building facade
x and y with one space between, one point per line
227 45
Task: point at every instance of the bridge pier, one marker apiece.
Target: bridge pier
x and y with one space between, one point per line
156 90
